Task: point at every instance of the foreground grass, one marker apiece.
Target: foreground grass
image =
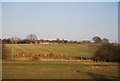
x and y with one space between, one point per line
59 70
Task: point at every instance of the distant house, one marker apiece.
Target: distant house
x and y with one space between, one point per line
43 42
50 42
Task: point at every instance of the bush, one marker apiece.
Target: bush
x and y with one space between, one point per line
108 52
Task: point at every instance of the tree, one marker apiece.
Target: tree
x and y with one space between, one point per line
65 41
105 40
57 39
108 52
24 41
14 40
71 41
75 41
32 38
97 39
85 41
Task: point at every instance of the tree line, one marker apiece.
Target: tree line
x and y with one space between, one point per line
32 38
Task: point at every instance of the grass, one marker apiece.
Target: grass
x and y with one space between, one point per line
59 70
72 50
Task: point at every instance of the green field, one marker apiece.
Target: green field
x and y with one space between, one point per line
57 69
72 50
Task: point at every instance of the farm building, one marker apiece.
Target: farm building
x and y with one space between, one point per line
50 42
46 42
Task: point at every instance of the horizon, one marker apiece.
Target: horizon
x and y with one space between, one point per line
65 20
91 40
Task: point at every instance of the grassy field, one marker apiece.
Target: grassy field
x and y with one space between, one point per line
72 50
59 70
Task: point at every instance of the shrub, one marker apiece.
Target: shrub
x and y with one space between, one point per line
108 52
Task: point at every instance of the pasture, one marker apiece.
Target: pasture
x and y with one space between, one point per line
72 50
57 69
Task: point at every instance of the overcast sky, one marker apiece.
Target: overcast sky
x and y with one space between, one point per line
64 20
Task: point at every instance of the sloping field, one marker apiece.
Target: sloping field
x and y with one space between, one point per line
57 69
82 50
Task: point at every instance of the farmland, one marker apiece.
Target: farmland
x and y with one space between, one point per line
57 69
82 50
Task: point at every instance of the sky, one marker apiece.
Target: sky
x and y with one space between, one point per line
64 20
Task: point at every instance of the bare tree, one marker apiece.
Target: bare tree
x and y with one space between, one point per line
97 39
15 39
105 40
32 38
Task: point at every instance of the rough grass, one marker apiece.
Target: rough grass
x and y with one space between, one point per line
82 50
59 70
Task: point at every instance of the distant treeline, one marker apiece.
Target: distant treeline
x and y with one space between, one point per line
26 41
31 38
